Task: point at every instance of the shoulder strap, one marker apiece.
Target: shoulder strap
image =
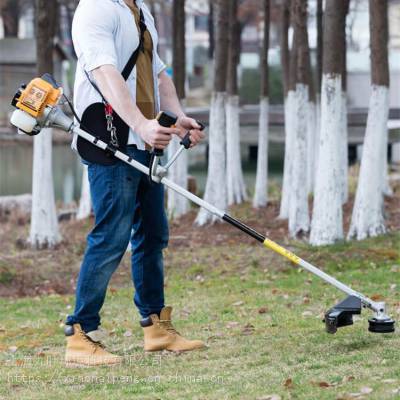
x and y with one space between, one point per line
132 60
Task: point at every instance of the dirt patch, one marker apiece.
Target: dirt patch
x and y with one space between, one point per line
24 272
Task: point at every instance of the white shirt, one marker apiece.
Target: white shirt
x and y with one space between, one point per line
104 32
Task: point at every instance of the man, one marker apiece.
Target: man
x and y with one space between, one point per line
127 207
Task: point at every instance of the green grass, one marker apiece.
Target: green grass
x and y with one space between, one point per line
260 317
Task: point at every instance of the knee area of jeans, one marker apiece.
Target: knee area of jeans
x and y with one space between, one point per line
152 243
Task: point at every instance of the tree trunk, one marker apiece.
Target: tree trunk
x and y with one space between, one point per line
44 224
85 202
216 192
298 200
261 189
344 143
10 12
288 95
327 220
179 46
236 188
320 15
312 127
211 46
367 218
177 204
211 38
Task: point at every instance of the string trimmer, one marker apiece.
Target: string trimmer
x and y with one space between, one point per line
38 106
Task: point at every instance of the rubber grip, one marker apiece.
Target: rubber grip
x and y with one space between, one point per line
166 119
185 142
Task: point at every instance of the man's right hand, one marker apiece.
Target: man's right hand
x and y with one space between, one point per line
154 134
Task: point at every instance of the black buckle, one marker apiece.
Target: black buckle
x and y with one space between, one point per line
342 314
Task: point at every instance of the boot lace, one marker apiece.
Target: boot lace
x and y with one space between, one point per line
92 342
167 324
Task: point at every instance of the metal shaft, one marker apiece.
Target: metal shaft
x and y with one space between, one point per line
377 307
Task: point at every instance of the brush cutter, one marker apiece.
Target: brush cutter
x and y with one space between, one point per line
38 106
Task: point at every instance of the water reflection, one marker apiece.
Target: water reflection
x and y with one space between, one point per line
16 169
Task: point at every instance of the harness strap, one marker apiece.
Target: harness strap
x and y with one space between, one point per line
132 59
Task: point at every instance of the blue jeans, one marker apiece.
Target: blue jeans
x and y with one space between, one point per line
127 207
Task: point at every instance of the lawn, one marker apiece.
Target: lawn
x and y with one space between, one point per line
261 319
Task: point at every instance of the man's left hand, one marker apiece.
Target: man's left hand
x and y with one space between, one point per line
186 124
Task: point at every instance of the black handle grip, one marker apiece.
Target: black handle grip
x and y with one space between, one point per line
185 142
166 119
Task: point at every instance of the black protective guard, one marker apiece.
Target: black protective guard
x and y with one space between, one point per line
94 122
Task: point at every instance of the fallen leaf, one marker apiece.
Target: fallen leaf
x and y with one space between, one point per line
307 314
270 397
113 290
185 312
377 297
238 303
366 390
248 329
262 310
288 383
200 278
324 384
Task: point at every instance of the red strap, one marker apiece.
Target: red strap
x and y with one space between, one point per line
108 109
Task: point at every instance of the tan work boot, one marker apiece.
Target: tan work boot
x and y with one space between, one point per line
84 351
159 334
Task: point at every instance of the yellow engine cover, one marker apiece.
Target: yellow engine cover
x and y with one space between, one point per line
37 96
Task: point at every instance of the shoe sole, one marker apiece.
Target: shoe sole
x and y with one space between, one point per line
177 351
73 364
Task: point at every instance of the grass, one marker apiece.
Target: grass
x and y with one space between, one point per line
260 317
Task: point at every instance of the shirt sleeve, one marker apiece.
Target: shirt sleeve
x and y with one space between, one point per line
160 66
93 30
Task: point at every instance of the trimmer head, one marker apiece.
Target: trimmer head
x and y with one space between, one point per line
385 325
342 314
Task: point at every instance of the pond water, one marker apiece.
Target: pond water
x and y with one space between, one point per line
16 169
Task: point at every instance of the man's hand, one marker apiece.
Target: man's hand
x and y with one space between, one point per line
154 134
186 124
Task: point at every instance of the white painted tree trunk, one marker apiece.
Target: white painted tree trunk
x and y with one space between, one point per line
85 202
327 219
261 189
287 169
299 220
236 187
344 151
44 224
216 191
311 139
178 172
317 135
367 219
